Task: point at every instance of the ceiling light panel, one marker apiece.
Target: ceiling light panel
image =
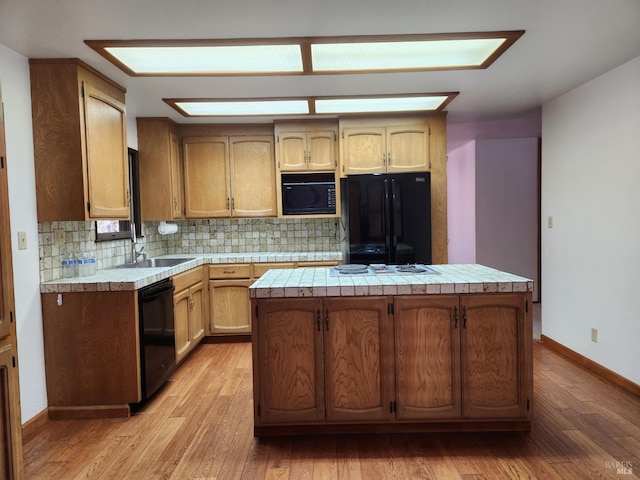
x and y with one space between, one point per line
208 60
206 108
414 55
380 104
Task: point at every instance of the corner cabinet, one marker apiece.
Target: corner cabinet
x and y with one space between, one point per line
229 176
189 311
384 146
161 184
393 364
80 146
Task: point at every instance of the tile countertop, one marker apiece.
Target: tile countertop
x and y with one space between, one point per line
452 279
118 279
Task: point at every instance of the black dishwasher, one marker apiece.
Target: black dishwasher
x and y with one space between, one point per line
157 340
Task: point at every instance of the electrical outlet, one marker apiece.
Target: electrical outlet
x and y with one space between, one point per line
594 335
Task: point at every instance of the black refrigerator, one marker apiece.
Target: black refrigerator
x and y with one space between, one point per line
388 218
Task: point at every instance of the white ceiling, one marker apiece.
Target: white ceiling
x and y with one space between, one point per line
566 43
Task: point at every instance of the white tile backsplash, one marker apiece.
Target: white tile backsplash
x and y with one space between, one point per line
193 236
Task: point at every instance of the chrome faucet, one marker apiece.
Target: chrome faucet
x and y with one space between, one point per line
135 253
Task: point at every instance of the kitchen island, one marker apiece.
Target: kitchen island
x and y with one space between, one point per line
449 350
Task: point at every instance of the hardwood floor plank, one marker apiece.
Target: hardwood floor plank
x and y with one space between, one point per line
200 426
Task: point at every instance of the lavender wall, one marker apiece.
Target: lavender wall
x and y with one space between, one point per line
461 204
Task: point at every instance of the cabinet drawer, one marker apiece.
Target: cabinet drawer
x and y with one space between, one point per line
260 269
234 270
186 279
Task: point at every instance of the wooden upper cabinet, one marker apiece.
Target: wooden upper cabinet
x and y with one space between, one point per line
427 349
253 176
306 147
80 144
229 176
359 379
206 177
384 146
408 148
161 188
493 356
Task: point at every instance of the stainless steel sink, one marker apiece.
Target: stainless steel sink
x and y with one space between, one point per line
155 263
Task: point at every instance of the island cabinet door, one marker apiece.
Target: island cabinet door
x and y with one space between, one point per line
358 359
291 387
427 349
493 356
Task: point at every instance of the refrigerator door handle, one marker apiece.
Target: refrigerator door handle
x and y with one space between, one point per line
387 219
394 238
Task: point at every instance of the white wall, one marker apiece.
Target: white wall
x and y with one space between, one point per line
16 96
461 204
590 185
507 206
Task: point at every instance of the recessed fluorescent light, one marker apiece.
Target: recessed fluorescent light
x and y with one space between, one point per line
208 60
208 108
306 55
422 55
380 104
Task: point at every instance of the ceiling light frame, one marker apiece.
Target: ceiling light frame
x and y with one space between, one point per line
306 44
312 103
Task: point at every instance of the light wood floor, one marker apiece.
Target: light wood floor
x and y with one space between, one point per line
200 427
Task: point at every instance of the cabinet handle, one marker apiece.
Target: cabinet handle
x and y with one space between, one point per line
389 158
384 158
229 271
228 203
318 319
309 156
464 317
175 203
233 204
455 317
326 318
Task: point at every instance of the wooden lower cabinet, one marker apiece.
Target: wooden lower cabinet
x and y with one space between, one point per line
230 307
189 311
404 363
290 357
496 356
10 430
427 354
358 359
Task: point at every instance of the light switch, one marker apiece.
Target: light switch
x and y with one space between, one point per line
22 240
549 221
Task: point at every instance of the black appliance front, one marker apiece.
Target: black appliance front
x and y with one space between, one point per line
157 337
389 218
308 194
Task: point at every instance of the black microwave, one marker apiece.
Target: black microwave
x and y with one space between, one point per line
308 193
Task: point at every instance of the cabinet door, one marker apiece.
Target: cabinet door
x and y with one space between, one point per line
321 150
181 307
196 313
408 148
10 427
253 176
106 155
206 177
363 150
492 356
230 309
427 354
292 151
290 359
177 184
358 359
